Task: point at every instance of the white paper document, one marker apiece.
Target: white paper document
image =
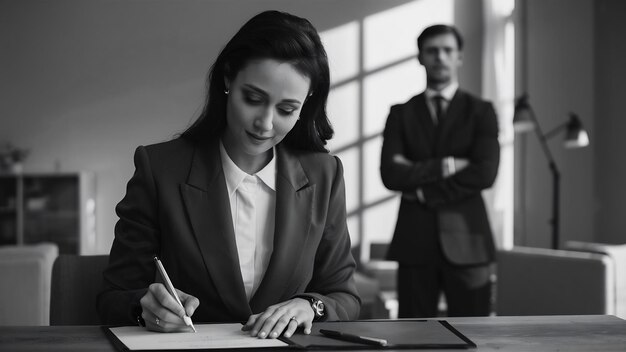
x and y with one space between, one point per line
209 336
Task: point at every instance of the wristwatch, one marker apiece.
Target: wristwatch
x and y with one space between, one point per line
318 308
140 321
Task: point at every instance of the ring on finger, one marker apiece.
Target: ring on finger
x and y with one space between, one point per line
157 320
294 319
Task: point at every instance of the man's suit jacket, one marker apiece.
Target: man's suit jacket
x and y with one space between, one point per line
177 207
453 216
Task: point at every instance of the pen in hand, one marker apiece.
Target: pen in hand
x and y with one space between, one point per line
353 338
172 291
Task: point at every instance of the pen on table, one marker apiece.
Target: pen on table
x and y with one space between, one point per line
353 338
170 288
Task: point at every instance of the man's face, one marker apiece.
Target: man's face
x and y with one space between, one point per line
441 58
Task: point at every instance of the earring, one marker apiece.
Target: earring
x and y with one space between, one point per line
226 91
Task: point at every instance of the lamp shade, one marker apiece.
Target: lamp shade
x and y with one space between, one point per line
523 119
575 134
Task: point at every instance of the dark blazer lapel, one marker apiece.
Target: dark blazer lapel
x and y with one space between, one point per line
206 200
294 203
455 109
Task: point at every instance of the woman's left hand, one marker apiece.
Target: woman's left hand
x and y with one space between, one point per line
282 318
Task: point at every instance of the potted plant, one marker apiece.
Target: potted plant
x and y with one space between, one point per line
12 158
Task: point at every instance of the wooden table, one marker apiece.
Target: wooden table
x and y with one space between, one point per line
588 333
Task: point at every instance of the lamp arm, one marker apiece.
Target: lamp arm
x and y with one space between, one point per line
556 130
543 139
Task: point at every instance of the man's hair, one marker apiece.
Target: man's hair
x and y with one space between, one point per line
437 30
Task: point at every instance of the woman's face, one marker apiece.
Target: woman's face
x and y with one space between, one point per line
264 103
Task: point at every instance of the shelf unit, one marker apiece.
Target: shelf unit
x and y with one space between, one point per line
55 207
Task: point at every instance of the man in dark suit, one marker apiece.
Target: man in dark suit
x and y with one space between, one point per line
441 150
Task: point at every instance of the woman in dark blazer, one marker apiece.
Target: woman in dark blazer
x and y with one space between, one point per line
265 109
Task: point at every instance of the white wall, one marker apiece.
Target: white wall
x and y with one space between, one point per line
559 67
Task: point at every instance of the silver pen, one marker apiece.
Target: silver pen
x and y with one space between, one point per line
172 291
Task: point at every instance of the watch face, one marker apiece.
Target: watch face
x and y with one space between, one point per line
318 307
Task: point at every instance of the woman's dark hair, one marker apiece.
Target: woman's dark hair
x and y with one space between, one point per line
285 38
439 29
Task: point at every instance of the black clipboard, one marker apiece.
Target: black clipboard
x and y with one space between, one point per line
400 334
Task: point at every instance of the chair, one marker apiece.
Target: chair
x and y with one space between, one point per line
539 281
384 272
617 254
76 281
25 272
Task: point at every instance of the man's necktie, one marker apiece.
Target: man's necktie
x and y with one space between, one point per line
439 101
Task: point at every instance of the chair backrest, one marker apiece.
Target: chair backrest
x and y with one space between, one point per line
617 252
76 281
539 281
25 272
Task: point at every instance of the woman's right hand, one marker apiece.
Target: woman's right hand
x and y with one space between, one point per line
162 313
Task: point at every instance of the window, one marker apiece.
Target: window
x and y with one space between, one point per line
373 66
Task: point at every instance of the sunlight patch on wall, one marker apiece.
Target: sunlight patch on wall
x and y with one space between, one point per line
376 231
503 8
392 35
343 113
374 188
342 48
388 87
